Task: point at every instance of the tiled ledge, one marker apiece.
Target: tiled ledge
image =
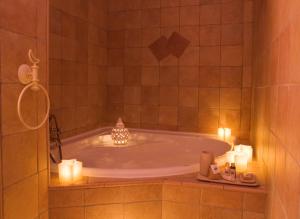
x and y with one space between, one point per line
185 180
188 180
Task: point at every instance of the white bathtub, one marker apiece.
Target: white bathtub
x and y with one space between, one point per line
149 153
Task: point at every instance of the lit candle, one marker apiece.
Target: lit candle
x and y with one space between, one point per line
69 171
221 133
238 148
241 162
230 156
224 134
77 170
246 149
227 133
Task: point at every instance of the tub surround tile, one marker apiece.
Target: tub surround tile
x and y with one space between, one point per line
218 213
180 193
142 193
173 210
114 211
107 195
219 198
168 197
148 210
67 198
66 213
255 202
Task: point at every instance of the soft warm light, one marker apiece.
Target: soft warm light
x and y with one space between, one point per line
69 171
246 149
241 162
227 132
224 134
230 156
221 133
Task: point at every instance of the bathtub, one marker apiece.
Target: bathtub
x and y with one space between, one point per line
149 153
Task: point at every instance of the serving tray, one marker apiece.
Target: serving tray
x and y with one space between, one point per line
237 182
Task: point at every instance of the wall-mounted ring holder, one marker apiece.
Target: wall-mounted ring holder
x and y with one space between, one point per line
28 75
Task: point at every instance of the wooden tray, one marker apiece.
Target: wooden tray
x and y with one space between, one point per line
223 181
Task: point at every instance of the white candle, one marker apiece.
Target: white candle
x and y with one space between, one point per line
221 133
227 132
241 162
224 134
69 171
77 170
246 149
230 156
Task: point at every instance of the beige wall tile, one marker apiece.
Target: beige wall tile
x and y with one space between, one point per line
230 98
21 200
188 97
24 162
210 14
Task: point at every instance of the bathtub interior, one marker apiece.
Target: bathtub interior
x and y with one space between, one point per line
149 153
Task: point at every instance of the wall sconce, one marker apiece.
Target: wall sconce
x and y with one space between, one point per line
120 134
69 171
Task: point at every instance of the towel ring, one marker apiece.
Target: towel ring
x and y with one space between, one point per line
29 76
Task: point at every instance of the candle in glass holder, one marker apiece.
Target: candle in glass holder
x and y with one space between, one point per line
221 133
69 171
246 149
224 134
230 156
241 162
227 132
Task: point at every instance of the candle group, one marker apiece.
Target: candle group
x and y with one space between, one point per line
69 171
224 133
241 156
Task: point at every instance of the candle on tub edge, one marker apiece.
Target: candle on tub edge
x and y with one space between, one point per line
69 171
221 133
230 156
224 134
241 162
246 149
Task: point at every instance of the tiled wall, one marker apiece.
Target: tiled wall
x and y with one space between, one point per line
156 201
78 57
277 108
24 160
207 87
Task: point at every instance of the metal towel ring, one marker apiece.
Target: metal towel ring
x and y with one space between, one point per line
29 76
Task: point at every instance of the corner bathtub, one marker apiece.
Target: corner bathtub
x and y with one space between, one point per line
149 153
